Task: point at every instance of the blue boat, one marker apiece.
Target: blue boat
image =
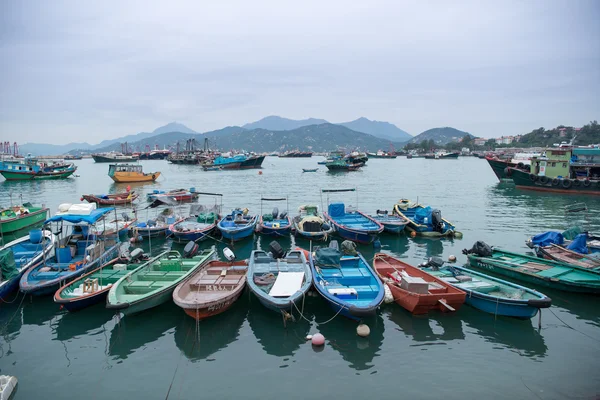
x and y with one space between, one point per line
347 283
310 225
392 223
425 221
276 223
201 224
351 224
21 254
238 225
280 281
76 252
491 294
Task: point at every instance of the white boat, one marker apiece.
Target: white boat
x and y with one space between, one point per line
8 385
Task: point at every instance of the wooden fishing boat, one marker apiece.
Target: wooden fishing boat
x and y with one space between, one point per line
212 289
128 173
416 290
152 284
238 225
15 218
200 225
565 239
279 280
76 253
552 274
310 169
564 255
347 283
392 223
351 224
310 225
18 256
425 221
275 223
179 195
111 199
493 295
92 288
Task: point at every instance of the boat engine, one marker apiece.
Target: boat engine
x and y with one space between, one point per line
229 255
435 263
190 249
275 212
276 250
436 221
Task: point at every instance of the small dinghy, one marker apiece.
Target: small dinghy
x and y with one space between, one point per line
550 245
310 225
213 288
93 287
279 280
425 221
488 293
276 223
111 199
346 282
310 169
153 283
20 255
416 290
238 225
392 223
200 225
179 195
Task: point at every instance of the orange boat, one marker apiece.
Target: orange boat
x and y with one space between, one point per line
127 173
212 289
414 289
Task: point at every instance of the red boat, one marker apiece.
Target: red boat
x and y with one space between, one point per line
110 199
179 195
414 289
212 289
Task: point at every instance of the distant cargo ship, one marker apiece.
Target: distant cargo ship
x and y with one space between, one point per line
296 153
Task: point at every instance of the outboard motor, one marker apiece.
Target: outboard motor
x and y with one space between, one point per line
190 249
125 217
275 212
436 221
276 250
334 245
382 212
349 248
481 249
283 215
435 263
228 254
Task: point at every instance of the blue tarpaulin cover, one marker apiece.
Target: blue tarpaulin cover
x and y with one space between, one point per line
336 210
91 218
423 213
548 238
579 244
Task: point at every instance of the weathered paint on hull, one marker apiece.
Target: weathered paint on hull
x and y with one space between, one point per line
205 312
12 176
16 224
498 166
523 180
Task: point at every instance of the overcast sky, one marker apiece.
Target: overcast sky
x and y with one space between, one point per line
88 71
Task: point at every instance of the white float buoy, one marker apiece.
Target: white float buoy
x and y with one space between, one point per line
363 330
452 258
309 337
318 339
388 298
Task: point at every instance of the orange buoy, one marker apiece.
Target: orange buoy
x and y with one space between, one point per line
260 172
413 234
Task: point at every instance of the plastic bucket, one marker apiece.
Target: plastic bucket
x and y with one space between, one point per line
35 236
63 254
193 190
170 220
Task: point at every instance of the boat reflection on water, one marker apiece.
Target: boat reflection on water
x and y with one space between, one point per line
91 320
39 310
425 328
209 336
340 334
270 332
11 321
430 247
137 330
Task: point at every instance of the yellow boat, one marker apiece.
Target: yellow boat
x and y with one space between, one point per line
126 173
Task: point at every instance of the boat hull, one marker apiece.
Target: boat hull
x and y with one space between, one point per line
87 301
109 202
183 237
16 224
119 178
103 159
15 176
359 236
525 180
205 312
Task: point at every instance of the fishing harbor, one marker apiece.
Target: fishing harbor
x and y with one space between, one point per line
96 344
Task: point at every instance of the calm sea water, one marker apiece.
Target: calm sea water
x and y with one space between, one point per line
247 353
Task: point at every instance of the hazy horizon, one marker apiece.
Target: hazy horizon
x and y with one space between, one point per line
79 72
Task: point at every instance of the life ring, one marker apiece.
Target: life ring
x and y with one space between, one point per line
555 182
587 183
520 165
566 183
533 177
543 180
507 171
153 177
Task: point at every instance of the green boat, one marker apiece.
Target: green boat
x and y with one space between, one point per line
153 283
552 274
31 168
20 217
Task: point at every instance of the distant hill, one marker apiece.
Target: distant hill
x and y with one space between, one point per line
37 149
586 135
441 136
275 123
380 129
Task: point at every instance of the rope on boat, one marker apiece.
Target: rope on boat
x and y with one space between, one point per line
16 311
13 300
318 323
570 327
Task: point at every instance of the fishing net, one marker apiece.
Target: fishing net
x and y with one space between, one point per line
8 266
328 258
207 218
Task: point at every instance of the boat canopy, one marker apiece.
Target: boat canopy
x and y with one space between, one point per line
91 218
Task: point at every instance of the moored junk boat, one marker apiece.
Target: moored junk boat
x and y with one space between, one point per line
346 281
425 221
30 168
92 288
276 223
310 225
343 165
234 161
237 225
562 170
111 199
20 217
76 252
501 166
349 223
392 223
213 288
18 256
113 156
414 289
128 173
278 279
488 293
296 153
552 274
153 283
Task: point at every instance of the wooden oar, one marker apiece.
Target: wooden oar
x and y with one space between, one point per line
448 306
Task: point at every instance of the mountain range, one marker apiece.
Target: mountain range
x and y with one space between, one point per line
441 136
